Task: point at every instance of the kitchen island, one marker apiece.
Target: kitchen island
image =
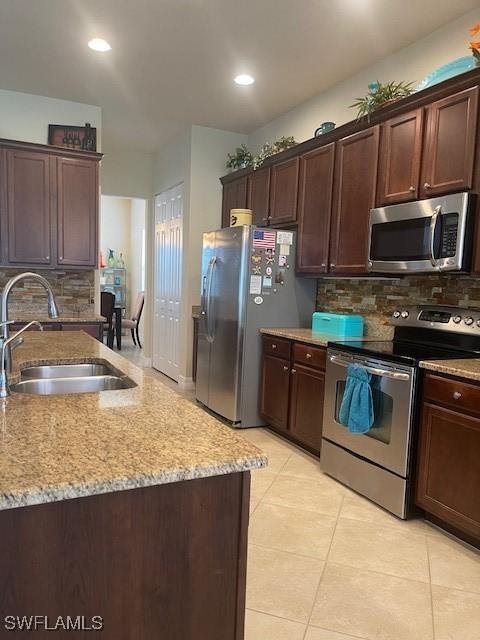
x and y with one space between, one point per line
130 505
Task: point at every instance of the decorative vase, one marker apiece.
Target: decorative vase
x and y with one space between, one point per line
325 127
111 261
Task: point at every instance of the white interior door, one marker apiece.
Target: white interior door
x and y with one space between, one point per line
168 280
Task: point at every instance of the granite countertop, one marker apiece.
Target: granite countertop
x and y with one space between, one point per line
463 368
321 339
70 316
68 446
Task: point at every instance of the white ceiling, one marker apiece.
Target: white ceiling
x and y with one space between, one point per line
173 61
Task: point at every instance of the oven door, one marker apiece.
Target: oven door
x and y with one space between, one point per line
387 443
420 237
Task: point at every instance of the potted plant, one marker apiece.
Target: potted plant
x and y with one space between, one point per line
267 150
241 159
379 95
475 44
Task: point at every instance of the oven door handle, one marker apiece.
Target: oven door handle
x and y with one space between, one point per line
384 373
433 226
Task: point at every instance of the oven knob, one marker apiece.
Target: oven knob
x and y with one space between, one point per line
457 319
468 321
396 314
405 314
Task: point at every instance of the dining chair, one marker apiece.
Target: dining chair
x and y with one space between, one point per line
133 324
107 303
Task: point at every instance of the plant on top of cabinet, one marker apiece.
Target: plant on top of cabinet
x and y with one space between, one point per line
241 159
268 150
475 44
379 95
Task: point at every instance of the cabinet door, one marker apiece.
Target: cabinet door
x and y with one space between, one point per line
27 224
448 475
258 195
354 195
400 157
77 212
450 144
274 391
284 192
234 197
314 209
95 329
306 406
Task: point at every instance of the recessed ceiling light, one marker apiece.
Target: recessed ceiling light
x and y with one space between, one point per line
99 44
244 79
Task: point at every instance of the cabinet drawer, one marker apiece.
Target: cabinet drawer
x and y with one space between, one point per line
454 393
276 347
311 356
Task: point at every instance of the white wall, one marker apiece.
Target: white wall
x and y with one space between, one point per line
196 157
137 228
127 174
412 63
26 117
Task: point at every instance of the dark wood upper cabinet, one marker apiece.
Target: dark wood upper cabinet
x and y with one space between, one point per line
306 405
449 155
354 195
48 206
274 391
448 474
284 192
234 197
401 141
258 195
77 210
27 225
314 209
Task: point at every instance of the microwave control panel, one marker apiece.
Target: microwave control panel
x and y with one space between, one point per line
448 247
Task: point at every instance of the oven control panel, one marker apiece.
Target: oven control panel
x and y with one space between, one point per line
442 318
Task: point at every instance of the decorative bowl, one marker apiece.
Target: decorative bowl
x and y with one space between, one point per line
446 71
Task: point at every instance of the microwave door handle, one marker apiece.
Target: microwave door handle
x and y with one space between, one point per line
384 373
433 226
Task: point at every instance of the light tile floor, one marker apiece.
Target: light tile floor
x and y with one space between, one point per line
327 564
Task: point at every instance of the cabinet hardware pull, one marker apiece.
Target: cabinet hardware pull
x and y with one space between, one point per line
412 189
457 395
308 355
285 368
47 257
294 371
274 346
427 186
332 264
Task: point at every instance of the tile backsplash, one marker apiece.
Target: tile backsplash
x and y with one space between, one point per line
74 291
376 299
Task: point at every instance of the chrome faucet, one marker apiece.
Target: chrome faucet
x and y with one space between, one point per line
14 341
28 275
4 322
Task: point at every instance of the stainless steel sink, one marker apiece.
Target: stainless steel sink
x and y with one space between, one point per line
66 371
59 386
58 379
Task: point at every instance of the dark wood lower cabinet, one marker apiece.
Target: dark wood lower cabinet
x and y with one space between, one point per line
275 390
306 406
292 391
448 468
94 329
166 562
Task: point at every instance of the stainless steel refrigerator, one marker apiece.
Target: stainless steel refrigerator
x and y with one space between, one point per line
248 282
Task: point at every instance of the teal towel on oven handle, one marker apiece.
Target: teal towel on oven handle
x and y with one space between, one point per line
356 410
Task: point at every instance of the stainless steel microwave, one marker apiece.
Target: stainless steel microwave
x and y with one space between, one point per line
424 236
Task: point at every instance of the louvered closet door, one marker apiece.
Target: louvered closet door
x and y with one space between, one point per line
168 280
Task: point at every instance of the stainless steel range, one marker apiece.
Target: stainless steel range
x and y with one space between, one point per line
378 464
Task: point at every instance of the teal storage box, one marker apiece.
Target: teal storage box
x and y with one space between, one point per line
338 325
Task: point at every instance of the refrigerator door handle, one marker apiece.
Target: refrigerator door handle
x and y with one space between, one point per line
209 333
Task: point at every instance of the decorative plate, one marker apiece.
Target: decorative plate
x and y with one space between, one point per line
449 70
